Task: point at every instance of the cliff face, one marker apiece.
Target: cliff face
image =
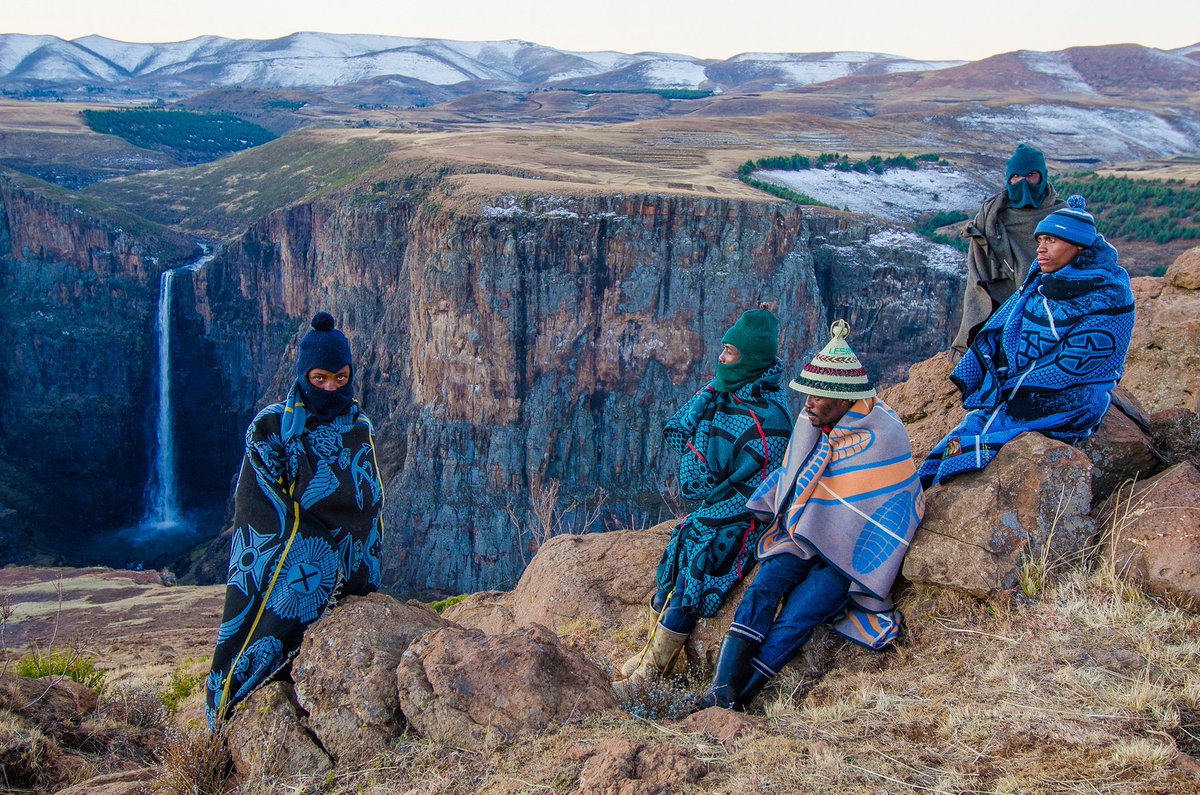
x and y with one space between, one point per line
534 340
77 330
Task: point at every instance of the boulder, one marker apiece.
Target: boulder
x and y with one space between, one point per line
723 725
126 782
927 403
625 767
55 704
1153 534
345 673
978 526
1177 433
463 688
1119 451
489 611
1163 366
597 588
1184 272
604 576
267 740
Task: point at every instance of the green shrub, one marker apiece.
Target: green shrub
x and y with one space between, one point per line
181 685
450 601
207 135
59 662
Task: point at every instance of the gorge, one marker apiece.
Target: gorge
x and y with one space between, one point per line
504 343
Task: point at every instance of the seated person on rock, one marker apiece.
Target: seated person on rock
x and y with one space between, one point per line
730 435
1047 360
308 520
841 513
1001 241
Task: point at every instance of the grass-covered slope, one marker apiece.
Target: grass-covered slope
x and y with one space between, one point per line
219 199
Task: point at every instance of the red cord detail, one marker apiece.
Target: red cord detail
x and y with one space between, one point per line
692 447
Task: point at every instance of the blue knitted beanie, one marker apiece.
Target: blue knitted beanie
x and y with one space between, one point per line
324 347
1073 224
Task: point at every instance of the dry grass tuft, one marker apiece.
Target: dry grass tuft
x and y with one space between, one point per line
194 761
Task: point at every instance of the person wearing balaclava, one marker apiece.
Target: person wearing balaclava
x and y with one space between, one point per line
1001 240
729 435
307 520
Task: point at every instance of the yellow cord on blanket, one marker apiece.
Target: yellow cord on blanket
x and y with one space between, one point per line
654 629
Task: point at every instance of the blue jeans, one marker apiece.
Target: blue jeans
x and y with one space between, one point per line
811 592
675 618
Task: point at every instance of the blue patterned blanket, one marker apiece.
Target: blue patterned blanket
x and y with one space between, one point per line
307 529
1045 361
852 497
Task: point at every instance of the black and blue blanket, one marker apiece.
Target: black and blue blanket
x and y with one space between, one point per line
1045 361
307 529
728 442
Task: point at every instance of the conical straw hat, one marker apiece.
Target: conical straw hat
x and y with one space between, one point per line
835 372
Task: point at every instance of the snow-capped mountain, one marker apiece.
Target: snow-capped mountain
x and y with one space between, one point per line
325 59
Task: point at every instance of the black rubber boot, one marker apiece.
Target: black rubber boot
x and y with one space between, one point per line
733 665
750 690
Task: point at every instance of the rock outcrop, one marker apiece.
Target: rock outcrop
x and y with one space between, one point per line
506 343
76 320
1163 368
1152 533
624 767
345 673
268 740
1034 498
465 689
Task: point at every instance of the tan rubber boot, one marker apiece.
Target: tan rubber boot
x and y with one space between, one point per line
656 660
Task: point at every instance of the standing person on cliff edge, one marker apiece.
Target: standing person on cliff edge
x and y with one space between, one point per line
730 435
1001 241
308 520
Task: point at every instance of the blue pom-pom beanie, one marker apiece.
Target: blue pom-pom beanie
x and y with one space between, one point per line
324 347
1073 224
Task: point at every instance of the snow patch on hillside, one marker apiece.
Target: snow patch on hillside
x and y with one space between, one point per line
937 256
674 74
1109 134
1057 65
897 194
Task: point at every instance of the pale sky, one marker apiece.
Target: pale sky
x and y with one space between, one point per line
925 29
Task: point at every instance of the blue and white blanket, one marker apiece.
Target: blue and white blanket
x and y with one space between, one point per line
1045 361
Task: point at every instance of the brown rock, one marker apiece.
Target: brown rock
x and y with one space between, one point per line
1184 272
608 579
1177 433
1153 534
623 767
345 673
463 688
605 576
127 782
977 526
1163 366
1119 451
927 403
54 704
489 611
723 725
267 740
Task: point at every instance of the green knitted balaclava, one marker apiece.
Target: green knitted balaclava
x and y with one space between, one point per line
1020 193
756 336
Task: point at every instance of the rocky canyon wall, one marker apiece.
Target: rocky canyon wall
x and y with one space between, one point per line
507 344
77 334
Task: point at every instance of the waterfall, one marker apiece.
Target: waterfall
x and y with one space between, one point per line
163 509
